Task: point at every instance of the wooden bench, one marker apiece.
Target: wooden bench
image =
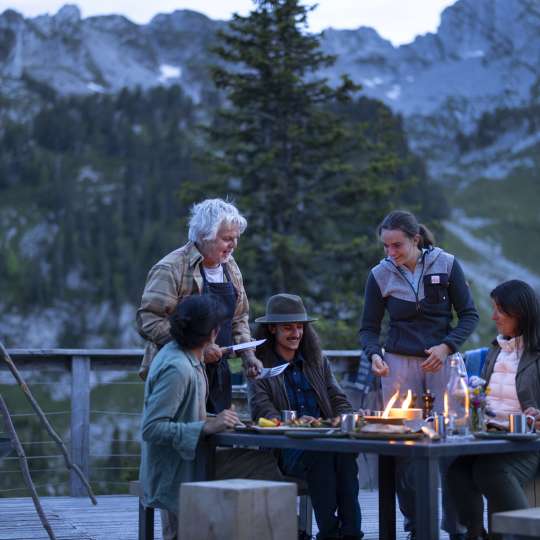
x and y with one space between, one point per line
146 513
517 524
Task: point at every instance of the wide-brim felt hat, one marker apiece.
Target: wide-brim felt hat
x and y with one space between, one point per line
285 308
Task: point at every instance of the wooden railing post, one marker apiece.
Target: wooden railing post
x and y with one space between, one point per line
80 422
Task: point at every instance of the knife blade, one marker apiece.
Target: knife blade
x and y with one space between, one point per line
243 346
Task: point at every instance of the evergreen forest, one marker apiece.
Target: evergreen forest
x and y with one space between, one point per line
95 189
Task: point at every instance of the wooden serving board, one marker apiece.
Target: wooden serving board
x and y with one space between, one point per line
379 420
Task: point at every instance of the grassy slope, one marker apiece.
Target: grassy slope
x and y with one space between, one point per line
511 207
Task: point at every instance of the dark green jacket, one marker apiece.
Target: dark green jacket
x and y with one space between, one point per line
527 376
270 395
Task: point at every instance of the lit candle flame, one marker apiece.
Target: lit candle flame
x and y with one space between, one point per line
446 404
391 401
407 401
467 405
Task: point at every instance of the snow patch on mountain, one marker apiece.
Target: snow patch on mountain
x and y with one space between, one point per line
169 72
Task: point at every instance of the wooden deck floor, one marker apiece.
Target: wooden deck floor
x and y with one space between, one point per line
115 518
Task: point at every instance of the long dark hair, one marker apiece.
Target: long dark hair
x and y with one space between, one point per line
310 345
518 299
194 319
406 222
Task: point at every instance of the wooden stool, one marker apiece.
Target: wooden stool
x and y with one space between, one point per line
238 509
146 513
517 524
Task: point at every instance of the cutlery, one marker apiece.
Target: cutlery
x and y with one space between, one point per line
272 372
243 346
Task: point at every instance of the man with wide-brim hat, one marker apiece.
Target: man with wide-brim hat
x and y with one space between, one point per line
309 387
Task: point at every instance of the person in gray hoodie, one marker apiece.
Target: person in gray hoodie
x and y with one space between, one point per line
420 286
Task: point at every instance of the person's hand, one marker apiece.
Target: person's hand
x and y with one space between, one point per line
252 365
212 354
306 419
224 420
379 366
436 358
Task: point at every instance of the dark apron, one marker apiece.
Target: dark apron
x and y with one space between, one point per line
219 374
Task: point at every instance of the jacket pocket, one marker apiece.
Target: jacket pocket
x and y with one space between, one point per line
436 288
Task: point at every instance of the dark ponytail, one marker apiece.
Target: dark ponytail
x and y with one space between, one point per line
407 223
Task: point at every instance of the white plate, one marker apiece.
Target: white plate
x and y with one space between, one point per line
283 429
505 436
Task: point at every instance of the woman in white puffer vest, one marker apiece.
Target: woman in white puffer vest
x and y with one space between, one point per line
512 370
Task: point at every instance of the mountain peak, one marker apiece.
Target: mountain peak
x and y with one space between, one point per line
68 14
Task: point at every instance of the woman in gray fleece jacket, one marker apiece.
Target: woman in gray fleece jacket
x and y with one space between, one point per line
420 287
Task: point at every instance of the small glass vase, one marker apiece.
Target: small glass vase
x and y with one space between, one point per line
477 419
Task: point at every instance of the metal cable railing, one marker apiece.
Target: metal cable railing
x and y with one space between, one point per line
111 430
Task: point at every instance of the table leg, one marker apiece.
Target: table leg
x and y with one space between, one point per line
387 498
427 498
205 461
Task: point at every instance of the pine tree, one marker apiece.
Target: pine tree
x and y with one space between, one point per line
286 155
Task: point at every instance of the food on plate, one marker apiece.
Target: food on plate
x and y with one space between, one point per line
266 422
307 421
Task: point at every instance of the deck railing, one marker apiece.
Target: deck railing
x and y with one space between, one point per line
80 363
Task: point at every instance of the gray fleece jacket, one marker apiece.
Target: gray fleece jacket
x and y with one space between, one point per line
420 316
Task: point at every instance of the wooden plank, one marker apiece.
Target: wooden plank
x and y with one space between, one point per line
116 518
80 422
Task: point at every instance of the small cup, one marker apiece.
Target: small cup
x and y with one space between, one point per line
439 424
348 422
517 423
288 416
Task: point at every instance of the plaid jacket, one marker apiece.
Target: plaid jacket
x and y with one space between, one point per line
174 277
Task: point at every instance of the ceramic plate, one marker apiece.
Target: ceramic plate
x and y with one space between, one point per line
505 436
385 436
284 429
304 433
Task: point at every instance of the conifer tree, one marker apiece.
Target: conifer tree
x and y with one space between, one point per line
286 156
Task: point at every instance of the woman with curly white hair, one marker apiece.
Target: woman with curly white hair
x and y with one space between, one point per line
202 266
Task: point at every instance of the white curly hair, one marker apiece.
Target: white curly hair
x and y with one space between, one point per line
209 215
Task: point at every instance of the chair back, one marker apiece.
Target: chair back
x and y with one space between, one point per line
474 361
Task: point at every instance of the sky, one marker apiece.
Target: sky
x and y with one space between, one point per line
400 21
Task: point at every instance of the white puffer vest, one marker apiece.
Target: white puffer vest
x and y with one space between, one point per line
503 398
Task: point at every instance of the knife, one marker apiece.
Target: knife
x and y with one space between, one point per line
243 346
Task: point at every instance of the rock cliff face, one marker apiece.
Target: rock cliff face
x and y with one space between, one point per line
485 54
105 54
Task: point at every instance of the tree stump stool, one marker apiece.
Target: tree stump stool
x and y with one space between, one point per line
237 510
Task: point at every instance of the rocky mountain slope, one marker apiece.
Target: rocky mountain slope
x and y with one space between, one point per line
485 54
